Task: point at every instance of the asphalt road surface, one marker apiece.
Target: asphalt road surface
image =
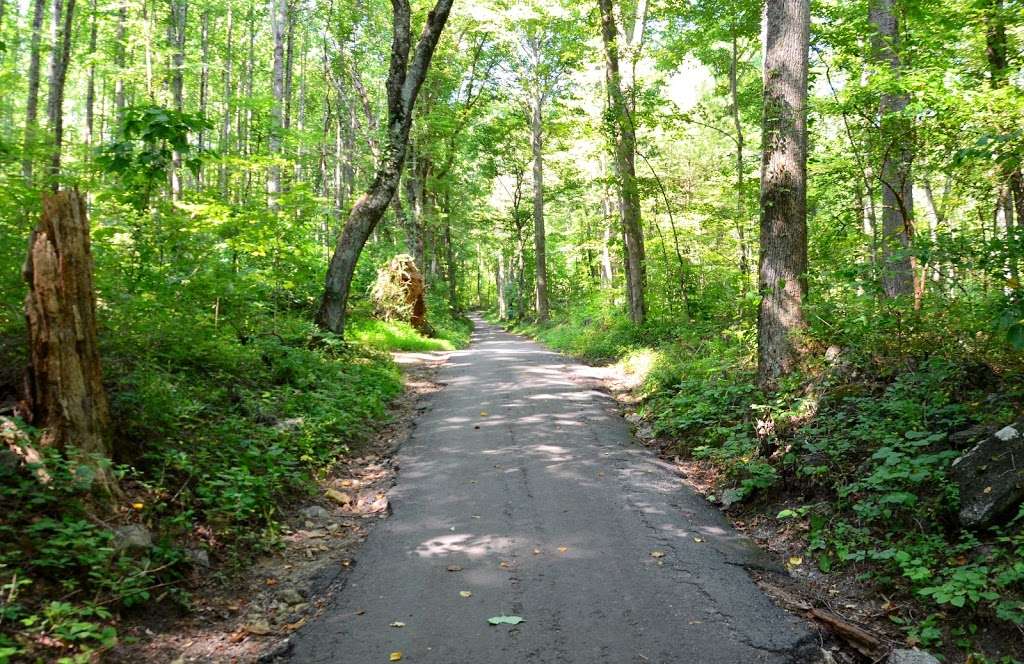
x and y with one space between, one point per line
522 486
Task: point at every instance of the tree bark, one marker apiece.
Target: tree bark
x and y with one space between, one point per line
279 26
176 40
119 57
499 284
539 239
32 102
403 85
225 130
740 207
783 260
897 155
64 383
90 88
60 58
204 81
624 133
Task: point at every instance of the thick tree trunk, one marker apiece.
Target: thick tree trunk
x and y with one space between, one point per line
897 184
539 239
32 103
625 168
403 85
279 26
64 385
783 261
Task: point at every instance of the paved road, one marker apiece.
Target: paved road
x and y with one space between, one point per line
522 474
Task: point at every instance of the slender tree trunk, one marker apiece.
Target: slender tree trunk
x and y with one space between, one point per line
176 40
539 239
32 104
403 85
740 207
783 261
499 284
625 167
449 256
90 86
897 184
119 57
225 129
60 58
279 25
204 81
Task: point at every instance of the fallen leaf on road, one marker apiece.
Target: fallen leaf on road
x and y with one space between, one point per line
657 554
395 656
465 593
698 540
454 568
398 624
483 413
504 564
505 620
536 552
563 549
796 560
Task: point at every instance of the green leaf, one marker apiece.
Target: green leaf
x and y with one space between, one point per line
505 620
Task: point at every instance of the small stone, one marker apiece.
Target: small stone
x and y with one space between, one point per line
905 656
132 538
198 557
315 513
339 497
291 596
259 628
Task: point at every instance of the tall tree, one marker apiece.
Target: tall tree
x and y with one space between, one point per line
60 58
623 113
404 80
279 26
897 154
32 102
176 24
783 260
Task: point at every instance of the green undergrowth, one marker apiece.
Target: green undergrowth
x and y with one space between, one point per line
220 424
855 448
450 331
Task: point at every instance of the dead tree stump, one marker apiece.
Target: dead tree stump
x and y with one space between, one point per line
398 294
64 385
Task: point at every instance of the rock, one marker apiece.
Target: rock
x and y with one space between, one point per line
291 424
198 557
339 497
315 513
730 497
991 476
291 596
132 538
833 354
905 656
645 432
961 440
259 628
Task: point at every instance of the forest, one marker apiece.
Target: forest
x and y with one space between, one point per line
795 226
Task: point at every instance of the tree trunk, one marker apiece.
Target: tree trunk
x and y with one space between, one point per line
897 185
279 26
403 85
119 58
60 57
225 129
204 81
32 103
783 261
64 385
176 40
740 207
90 88
625 168
539 239
499 284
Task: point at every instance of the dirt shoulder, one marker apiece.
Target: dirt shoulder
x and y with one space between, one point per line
248 616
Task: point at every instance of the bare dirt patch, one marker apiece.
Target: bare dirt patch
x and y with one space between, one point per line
248 616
